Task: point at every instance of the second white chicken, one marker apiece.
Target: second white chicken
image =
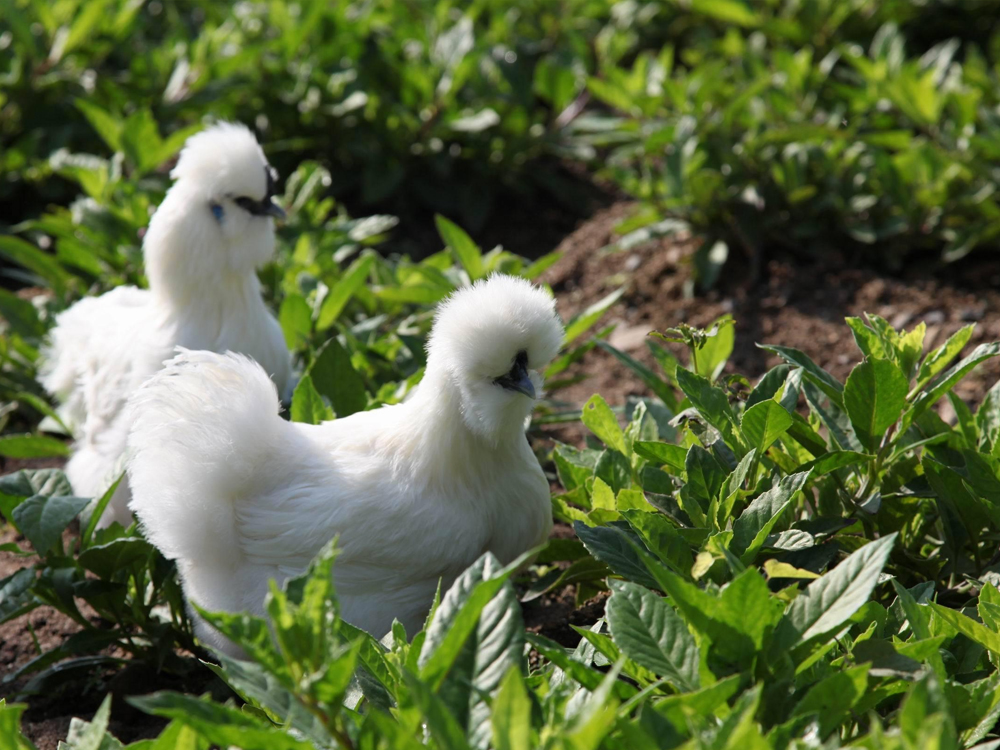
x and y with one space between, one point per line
212 231
416 492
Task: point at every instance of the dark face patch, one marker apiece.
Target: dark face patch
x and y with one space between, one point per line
266 206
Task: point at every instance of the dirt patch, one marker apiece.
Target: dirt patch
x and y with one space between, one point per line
794 303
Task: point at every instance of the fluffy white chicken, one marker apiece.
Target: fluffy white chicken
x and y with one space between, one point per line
416 491
203 246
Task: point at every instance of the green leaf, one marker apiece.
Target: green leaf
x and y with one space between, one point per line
764 423
345 288
107 559
832 698
92 735
823 380
442 725
10 727
466 251
662 539
940 357
511 716
832 461
32 446
35 260
828 602
715 351
730 11
220 725
308 405
106 126
295 318
493 647
874 397
650 633
16 596
457 617
581 322
711 402
601 421
947 379
43 519
758 520
662 454
611 545
334 376
969 628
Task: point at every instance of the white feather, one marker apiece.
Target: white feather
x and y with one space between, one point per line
203 294
416 491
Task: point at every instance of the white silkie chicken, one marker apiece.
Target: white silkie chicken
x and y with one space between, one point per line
416 492
203 246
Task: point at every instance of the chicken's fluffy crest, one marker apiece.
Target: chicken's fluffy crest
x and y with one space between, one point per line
477 333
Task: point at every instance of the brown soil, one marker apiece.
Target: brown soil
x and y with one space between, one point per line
796 303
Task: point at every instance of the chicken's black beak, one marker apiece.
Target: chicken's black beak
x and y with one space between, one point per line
270 208
518 379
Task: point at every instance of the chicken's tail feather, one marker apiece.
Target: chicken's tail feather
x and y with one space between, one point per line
202 430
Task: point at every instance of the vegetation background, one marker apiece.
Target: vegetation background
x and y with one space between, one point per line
804 554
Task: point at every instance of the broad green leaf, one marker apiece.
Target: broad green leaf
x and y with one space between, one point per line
828 602
32 446
715 351
35 260
107 559
662 538
867 340
43 519
511 715
443 726
730 11
10 726
968 627
16 595
943 383
832 698
308 405
874 398
107 126
832 461
650 633
345 288
466 251
92 735
295 318
764 423
220 725
823 380
611 545
334 376
581 322
756 522
601 421
711 402
663 454
769 385
937 360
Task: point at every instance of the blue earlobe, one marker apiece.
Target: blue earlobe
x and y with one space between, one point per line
217 212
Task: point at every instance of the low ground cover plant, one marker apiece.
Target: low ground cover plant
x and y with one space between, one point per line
794 562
